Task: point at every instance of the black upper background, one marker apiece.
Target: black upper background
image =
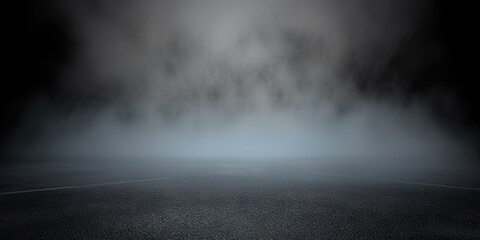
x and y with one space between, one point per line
39 44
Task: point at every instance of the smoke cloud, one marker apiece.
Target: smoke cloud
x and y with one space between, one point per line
239 80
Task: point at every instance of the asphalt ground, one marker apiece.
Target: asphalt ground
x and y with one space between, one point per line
179 199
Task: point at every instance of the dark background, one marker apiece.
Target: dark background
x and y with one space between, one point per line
440 62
